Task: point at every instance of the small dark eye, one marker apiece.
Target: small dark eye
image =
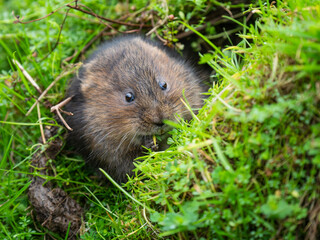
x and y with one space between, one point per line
163 85
129 97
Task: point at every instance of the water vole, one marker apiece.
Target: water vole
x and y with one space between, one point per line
121 96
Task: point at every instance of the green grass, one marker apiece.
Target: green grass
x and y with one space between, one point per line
247 167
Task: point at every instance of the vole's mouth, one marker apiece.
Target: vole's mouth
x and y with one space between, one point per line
161 131
158 131
153 138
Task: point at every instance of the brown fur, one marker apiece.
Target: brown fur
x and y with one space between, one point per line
108 130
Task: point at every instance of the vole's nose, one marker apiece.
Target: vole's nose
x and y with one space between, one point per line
158 121
159 124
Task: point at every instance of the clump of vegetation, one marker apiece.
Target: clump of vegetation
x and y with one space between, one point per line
247 166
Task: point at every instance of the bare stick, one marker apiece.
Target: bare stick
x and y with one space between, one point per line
57 109
105 19
38 19
65 73
94 21
162 22
106 24
94 14
156 27
41 126
28 77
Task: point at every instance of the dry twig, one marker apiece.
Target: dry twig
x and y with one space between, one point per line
105 19
40 124
63 74
91 12
155 29
17 17
27 75
57 109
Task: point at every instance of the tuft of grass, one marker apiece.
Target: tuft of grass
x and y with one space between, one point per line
246 167
249 168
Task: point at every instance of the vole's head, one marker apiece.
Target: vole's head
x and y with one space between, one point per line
129 89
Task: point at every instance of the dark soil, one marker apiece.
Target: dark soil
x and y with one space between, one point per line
53 208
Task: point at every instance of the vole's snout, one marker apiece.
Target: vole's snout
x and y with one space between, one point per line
153 118
158 124
158 121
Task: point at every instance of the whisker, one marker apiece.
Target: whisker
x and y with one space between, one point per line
133 138
122 140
